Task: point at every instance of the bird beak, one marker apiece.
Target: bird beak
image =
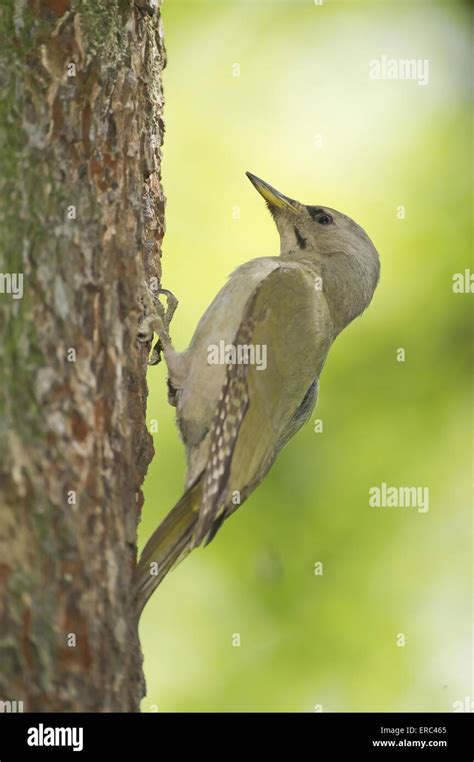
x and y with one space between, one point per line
271 195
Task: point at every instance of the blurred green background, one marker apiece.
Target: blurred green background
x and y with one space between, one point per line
305 116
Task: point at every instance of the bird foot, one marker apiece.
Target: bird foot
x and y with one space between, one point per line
156 320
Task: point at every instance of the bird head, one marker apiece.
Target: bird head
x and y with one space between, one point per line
333 244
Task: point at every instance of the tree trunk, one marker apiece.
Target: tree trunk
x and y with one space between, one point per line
81 213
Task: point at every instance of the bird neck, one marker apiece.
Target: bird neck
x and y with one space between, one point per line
343 280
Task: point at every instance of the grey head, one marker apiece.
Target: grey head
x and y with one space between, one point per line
333 245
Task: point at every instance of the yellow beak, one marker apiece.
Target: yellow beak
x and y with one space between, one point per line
271 195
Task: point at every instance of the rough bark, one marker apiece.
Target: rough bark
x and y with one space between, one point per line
81 215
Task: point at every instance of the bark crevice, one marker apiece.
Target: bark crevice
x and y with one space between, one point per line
82 220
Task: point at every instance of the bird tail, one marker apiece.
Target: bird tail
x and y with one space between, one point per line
167 546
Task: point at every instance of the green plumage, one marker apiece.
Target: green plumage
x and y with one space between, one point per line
235 416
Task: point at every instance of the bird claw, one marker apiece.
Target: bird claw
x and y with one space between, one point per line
171 305
157 321
155 356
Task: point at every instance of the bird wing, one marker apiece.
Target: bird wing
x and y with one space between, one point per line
288 318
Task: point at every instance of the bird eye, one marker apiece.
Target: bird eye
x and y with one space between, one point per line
325 219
